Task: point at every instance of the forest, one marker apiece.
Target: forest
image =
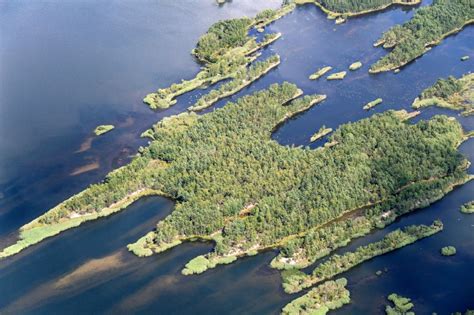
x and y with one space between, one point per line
225 51
236 186
428 27
295 280
355 7
451 93
242 78
328 296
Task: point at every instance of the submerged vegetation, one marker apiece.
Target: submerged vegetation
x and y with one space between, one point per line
100 130
451 93
225 51
468 207
320 73
401 305
428 27
372 104
236 186
320 300
295 280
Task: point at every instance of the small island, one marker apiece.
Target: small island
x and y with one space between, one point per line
355 66
320 73
468 207
426 29
323 131
448 251
401 305
100 130
225 51
337 76
452 93
372 104
320 300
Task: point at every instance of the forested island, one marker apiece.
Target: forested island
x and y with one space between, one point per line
243 78
428 27
448 251
225 52
468 207
372 104
451 93
346 8
320 72
401 305
328 296
337 76
236 186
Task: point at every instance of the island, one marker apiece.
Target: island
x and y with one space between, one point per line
295 280
337 76
448 251
372 104
401 305
253 192
427 28
100 130
355 66
340 10
243 78
323 131
320 73
468 207
451 93
225 51
320 300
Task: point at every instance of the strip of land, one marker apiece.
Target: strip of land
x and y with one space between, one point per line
242 79
428 27
344 9
328 296
451 93
225 52
295 280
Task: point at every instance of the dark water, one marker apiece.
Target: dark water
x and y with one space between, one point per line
69 66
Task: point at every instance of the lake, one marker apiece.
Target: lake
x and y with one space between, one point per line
67 67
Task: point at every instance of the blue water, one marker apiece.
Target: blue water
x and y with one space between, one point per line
69 66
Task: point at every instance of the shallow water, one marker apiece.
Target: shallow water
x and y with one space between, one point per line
69 66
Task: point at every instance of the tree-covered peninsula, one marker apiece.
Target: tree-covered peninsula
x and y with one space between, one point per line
451 93
428 27
237 187
225 52
348 8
